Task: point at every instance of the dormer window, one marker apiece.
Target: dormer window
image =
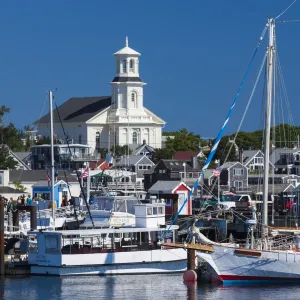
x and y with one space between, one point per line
124 66
131 66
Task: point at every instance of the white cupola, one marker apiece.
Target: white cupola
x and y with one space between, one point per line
127 61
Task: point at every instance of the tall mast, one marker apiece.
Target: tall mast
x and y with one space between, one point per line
271 49
52 153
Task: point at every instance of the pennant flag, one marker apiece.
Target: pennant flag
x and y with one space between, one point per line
200 154
217 171
85 174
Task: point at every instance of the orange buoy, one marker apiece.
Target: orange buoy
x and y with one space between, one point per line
190 275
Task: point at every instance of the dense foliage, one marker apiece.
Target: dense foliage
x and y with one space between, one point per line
283 135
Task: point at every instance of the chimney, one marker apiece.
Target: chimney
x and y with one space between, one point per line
195 163
241 157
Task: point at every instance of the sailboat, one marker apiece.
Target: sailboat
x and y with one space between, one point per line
232 264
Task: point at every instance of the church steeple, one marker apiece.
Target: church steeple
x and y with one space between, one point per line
127 62
127 87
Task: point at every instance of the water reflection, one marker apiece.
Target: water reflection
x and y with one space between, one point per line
133 287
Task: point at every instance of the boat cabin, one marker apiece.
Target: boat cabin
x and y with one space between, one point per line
58 248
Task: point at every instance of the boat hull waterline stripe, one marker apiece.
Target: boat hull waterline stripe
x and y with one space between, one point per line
221 132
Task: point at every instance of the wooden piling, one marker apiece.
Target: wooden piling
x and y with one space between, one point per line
33 217
191 259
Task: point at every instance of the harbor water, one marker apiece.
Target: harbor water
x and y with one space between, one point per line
141 287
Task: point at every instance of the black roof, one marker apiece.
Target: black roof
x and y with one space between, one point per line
126 79
79 109
176 165
36 175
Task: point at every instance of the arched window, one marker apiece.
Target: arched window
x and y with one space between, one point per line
134 138
134 99
124 66
131 65
97 140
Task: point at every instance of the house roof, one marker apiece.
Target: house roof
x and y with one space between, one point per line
230 164
127 79
277 188
175 165
9 190
36 175
79 109
275 153
22 155
144 147
16 158
127 51
100 164
132 160
248 155
46 183
185 155
166 187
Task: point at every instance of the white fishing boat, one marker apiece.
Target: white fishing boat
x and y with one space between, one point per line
130 250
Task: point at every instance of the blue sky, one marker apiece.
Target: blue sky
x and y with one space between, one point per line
194 54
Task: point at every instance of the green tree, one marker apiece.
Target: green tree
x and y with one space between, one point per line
6 160
3 111
183 140
45 140
12 137
19 186
120 150
164 153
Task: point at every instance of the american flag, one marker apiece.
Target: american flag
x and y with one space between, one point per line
217 171
85 174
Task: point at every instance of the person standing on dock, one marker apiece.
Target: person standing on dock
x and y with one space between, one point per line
29 200
10 205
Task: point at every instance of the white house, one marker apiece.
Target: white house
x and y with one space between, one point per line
119 119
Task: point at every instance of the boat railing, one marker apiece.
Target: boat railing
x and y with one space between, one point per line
108 246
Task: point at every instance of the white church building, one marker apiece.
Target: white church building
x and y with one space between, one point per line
105 121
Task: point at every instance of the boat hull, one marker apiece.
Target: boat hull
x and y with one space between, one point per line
117 269
119 263
233 267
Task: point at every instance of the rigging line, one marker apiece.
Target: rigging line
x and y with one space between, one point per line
288 21
285 92
81 188
248 104
75 213
285 10
221 132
